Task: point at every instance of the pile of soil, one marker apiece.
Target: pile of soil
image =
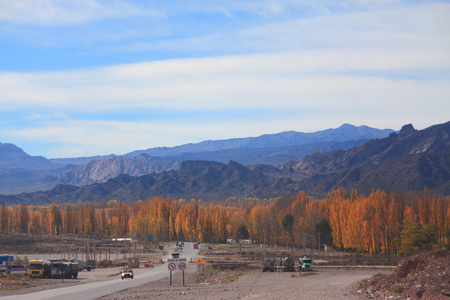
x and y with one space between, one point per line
422 276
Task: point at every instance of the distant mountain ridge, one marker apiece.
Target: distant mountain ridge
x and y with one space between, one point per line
377 151
22 172
102 170
13 157
86 170
409 160
345 132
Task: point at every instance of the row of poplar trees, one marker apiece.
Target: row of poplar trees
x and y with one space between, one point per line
381 222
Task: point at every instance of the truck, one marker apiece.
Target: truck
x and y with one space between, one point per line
36 268
268 264
288 264
52 268
58 269
88 266
306 263
71 270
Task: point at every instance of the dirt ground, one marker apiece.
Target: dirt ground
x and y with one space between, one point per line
110 258
215 278
227 272
255 284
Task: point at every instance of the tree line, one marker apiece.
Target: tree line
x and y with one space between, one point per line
381 222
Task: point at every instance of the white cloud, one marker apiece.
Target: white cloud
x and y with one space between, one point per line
246 82
61 12
382 68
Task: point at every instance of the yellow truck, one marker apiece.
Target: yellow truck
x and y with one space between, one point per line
36 268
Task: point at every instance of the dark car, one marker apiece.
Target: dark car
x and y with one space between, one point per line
127 273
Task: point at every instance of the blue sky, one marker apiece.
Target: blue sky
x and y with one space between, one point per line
89 77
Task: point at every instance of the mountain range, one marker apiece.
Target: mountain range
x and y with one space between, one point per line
408 160
20 172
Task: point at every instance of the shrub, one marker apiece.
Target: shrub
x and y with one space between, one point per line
398 290
440 253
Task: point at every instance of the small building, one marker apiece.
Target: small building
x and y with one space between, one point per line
133 262
6 259
246 242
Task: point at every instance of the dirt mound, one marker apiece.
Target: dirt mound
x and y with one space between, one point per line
423 276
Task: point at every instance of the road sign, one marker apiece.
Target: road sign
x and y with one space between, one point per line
18 269
176 259
182 266
172 266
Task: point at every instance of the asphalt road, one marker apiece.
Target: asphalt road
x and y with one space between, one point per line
96 290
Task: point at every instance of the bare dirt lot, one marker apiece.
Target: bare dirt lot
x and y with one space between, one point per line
228 272
323 284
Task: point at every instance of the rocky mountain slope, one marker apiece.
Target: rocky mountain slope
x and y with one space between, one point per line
38 173
377 151
194 179
102 170
409 160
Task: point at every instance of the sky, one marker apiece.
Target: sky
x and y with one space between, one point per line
92 77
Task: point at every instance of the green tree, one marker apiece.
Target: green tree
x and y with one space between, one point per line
323 229
288 225
416 237
242 233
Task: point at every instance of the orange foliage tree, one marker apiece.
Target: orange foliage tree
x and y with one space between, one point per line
376 223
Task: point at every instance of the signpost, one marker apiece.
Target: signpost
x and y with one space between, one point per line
17 270
172 267
174 264
200 266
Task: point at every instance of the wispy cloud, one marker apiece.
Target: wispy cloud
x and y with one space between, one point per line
181 76
63 12
228 82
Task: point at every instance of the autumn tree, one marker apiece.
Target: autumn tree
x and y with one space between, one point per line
4 217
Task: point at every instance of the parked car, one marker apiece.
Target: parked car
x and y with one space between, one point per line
127 273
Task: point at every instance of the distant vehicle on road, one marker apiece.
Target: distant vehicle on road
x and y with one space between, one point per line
268 264
36 268
127 273
306 263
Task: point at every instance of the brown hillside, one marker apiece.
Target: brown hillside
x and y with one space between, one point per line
423 276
